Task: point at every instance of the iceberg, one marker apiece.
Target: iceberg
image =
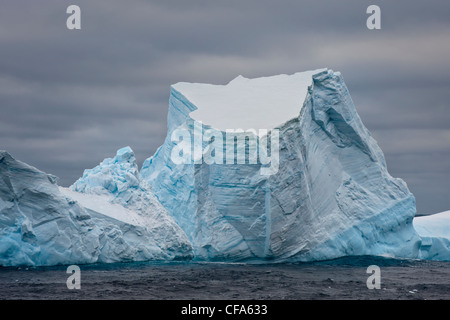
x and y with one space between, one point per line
434 231
42 225
331 196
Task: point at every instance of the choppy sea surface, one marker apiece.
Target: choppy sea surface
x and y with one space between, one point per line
339 279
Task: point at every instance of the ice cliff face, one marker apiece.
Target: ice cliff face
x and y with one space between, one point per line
40 225
332 195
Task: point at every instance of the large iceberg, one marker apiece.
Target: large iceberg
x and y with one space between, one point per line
42 224
277 169
329 193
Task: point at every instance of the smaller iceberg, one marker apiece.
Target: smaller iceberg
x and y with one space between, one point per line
434 231
42 224
117 181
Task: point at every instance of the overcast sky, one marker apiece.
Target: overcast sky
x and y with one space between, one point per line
70 98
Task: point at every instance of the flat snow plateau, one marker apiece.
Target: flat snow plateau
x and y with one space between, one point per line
259 103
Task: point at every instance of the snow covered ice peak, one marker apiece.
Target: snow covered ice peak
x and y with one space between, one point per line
125 155
112 175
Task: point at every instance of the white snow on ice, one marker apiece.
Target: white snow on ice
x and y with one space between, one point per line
259 103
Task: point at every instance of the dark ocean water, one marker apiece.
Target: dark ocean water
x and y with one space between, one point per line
336 279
